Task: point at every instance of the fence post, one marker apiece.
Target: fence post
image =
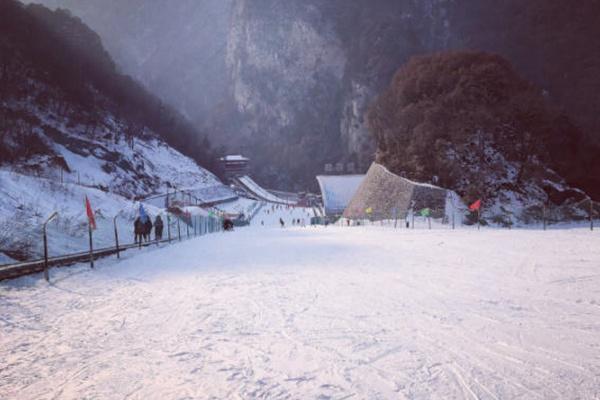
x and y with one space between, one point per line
429 221
544 215
46 274
178 229
116 235
412 213
169 227
591 214
91 245
187 228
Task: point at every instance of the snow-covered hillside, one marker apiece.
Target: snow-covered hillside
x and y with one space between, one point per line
315 313
104 157
109 167
71 125
26 202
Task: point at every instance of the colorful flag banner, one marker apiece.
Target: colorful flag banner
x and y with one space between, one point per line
475 206
369 210
90 213
426 212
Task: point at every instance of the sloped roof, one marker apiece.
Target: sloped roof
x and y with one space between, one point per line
236 157
387 195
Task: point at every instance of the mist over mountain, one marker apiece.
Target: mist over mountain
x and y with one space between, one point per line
289 82
65 110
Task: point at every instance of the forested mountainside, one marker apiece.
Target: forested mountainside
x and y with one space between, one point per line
468 121
51 61
71 128
66 111
299 75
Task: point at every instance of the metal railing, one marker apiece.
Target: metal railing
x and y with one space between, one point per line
202 226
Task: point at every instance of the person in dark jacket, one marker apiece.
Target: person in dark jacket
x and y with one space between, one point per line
147 229
158 228
138 230
281 222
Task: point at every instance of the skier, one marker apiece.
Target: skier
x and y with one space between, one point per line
158 228
281 222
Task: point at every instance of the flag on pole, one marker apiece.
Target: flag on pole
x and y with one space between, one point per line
475 206
90 213
425 212
143 215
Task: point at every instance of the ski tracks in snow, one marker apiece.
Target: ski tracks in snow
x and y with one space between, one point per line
332 313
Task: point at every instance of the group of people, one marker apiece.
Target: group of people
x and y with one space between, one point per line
295 221
142 228
299 222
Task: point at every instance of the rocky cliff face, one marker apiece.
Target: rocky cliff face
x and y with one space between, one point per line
303 74
288 82
286 66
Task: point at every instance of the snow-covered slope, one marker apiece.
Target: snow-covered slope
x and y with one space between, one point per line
257 190
26 202
104 157
315 313
111 168
70 127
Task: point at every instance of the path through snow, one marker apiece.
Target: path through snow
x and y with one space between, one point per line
323 313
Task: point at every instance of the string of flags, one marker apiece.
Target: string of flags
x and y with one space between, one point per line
426 212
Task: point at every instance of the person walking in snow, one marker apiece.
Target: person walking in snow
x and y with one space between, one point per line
147 229
158 228
138 229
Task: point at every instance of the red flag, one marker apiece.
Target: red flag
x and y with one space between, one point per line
90 213
475 206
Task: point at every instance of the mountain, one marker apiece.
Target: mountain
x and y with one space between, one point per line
71 126
290 82
468 121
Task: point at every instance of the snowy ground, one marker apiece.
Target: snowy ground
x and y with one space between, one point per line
315 313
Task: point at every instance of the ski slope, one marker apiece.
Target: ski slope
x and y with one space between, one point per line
258 191
315 313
